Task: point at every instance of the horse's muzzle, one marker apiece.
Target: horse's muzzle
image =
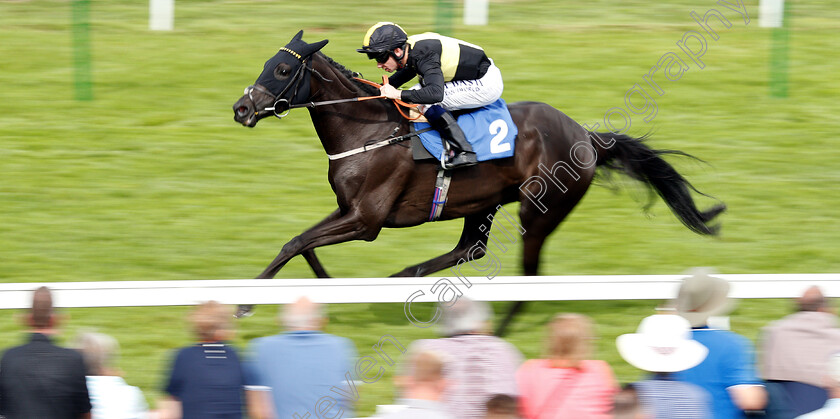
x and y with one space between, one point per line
244 112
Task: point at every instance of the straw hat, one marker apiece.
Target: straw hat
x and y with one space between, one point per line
663 343
702 295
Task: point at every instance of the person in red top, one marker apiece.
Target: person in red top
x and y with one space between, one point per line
566 384
453 75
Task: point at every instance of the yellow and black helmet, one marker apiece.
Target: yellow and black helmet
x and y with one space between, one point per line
383 37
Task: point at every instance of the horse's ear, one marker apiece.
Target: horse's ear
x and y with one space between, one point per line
298 36
318 45
313 48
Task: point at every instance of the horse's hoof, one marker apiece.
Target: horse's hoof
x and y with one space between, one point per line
244 310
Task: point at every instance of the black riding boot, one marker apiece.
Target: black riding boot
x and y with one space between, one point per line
449 130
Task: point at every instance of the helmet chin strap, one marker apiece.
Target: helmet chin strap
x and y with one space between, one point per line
399 59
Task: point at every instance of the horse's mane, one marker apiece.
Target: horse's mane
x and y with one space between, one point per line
350 74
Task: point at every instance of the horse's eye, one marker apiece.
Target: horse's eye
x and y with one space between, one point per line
282 71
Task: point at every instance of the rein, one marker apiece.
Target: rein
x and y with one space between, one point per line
315 104
397 102
282 107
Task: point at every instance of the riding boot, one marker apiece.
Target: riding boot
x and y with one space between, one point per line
444 122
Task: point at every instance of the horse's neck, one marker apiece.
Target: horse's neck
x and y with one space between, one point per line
349 125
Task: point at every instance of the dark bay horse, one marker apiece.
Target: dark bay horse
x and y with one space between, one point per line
554 163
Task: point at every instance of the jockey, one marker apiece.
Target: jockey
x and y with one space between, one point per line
453 75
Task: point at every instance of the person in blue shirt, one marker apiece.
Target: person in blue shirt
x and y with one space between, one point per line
305 372
207 380
728 372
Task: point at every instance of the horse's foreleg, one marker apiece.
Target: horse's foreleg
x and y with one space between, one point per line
470 236
314 263
245 310
348 227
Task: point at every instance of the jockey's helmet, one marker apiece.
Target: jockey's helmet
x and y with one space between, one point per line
381 39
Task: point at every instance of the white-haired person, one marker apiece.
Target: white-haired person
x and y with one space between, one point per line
483 365
567 383
301 371
110 395
663 346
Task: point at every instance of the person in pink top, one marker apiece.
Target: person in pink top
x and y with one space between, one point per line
567 384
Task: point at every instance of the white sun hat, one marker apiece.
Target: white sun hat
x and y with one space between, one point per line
663 343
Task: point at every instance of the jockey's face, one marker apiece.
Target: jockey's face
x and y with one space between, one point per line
392 65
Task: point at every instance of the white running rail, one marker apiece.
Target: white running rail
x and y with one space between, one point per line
398 290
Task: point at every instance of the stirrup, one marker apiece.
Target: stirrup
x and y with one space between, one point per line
462 159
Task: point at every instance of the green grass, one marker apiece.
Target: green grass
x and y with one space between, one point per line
152 180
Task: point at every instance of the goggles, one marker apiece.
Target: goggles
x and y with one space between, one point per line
380 57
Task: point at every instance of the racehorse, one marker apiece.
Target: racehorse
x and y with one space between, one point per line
386 187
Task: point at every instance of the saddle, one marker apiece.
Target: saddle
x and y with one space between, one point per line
490 131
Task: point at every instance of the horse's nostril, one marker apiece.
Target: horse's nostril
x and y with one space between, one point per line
242 110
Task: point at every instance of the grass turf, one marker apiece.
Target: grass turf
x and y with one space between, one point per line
153 180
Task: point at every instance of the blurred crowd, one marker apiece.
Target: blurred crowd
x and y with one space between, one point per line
692 367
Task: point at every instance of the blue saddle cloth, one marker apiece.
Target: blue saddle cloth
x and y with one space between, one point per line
490 130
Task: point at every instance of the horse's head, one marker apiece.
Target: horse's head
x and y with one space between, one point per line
284 81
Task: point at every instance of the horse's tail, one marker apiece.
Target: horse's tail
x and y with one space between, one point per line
631 156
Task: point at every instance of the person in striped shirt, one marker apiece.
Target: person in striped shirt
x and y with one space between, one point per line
479 366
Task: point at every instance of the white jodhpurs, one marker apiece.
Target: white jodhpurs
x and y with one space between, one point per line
470 94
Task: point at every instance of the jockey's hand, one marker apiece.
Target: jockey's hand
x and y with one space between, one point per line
389 91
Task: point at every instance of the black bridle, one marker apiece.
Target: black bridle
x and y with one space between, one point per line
282 106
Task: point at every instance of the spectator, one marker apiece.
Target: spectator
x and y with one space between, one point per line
111 397
831 410
663 345
728 372
486 365
40 379
207 380
502 406
295 370
567 384
796 349
423 389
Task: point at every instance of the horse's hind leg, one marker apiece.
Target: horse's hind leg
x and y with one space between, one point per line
470 235
538 226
